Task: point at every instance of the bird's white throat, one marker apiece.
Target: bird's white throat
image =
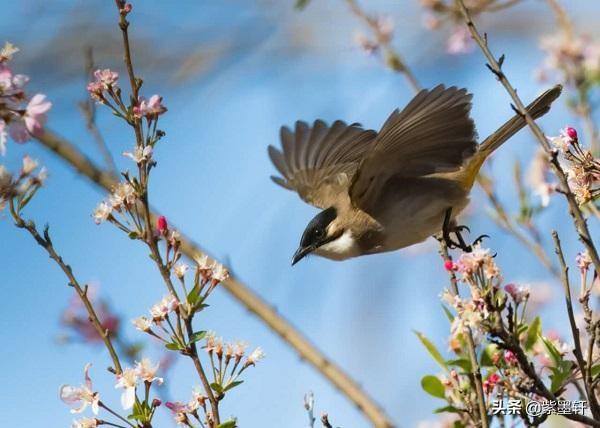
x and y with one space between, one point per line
340 248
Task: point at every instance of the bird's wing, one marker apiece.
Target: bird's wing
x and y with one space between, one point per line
433 134
319 162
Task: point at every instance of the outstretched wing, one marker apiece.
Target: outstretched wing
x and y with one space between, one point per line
433 134
319 162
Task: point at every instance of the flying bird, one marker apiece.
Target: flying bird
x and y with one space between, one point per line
382 191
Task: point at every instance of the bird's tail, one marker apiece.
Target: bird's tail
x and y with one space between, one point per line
539 107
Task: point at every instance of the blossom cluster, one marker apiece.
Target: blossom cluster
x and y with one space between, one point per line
582 169
105 90
21 187
228 363
79 398
513 355
575 57
20 116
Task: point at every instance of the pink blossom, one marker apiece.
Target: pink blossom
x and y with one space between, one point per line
128 381
149 109
491 381
33 120
460 41
147 372
584 261
107 77
510 358
81 397
518 293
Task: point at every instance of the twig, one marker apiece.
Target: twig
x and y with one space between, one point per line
495 67
239 291
393 58
46 243
586 373
475 369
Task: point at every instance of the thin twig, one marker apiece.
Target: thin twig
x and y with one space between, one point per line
585 371
495 67
248 298
475 369
46 243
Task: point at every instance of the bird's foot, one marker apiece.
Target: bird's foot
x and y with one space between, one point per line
460 242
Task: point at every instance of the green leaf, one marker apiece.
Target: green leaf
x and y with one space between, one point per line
197 336
533 333
433 386
560 375
595 370
555 356
463 363
432 350
447 409
233 385
449 314
486 356
216 387
301 4
232 423
133 235
173 346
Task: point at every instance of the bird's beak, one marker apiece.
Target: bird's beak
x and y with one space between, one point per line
301 253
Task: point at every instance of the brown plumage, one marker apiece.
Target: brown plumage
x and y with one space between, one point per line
385 190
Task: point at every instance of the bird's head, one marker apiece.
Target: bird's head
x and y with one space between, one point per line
320 231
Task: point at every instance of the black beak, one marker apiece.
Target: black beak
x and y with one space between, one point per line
301 253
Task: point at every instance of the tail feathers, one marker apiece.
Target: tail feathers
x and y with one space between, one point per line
539 107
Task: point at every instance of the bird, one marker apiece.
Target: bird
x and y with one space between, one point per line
387 190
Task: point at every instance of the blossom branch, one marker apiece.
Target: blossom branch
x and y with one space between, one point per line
46 243
475 369
495 67
583 368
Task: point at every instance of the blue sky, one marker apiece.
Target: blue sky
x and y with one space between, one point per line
266 65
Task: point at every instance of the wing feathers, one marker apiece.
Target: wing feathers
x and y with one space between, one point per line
318 162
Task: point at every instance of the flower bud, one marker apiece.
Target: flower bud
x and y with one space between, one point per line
162 225
449 265
510 358
571 133
156 402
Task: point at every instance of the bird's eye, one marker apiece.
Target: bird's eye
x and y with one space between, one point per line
318 233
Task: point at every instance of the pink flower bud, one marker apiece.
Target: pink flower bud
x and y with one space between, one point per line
162 225
127 8
449 265
571 133
510 358
156 402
